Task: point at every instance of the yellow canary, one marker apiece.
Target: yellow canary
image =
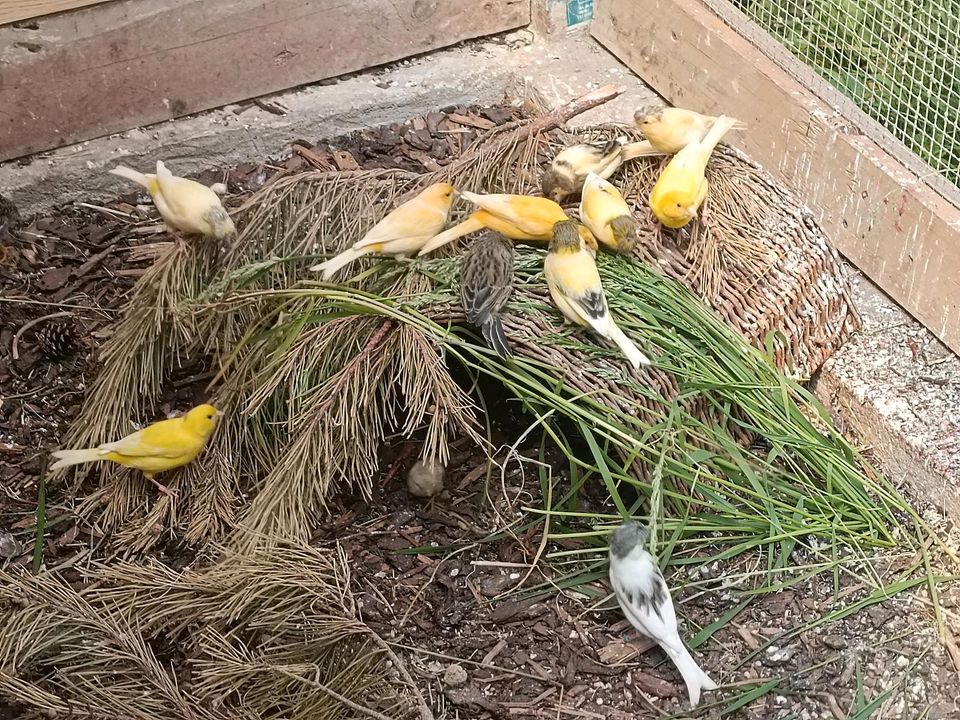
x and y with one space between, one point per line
401 232
159 447
606 213
574 285
519 217
568 169
682 186
670 129
486 282
184 205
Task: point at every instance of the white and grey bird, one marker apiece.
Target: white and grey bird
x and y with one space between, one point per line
645 600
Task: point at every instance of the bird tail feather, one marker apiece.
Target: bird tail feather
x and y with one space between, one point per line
694 677
331 266
627 346
643 148
130 174
719 128
471 224
497 339
66 458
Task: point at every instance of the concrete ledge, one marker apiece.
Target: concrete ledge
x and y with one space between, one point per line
897 388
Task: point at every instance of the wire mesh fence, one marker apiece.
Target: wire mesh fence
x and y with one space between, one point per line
898 60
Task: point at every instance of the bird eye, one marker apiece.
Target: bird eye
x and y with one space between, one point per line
679 205
209 417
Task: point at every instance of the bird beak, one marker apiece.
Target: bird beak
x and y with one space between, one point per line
220 413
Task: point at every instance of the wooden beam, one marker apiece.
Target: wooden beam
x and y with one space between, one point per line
16 10
128 63
883 217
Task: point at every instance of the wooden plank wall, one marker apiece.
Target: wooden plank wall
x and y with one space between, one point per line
15 10
127 63
895 228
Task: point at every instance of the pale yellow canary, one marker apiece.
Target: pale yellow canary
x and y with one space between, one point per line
159 447
682 186
519 217
184 205
568 169
606 213
402 231
670 129
574 285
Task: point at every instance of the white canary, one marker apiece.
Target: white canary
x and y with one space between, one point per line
184 205
645 600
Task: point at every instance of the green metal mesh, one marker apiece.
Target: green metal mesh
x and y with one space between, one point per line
898 60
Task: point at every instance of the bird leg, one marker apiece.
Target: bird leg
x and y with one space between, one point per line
161 487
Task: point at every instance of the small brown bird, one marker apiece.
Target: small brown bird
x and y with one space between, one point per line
606 213
571 166
670 129
486 282
9 217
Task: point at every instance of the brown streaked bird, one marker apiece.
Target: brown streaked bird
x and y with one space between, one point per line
571 166
606 213
486 282
670 129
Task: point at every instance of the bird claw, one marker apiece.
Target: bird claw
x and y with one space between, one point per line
164 490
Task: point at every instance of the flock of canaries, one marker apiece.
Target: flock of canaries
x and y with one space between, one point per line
486 282
486 278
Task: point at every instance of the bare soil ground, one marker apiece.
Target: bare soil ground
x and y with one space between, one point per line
426 574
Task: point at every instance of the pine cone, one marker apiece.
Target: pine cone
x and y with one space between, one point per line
57 339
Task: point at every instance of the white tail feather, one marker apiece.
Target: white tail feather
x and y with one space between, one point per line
130 174
627 346
694 677
66 458
335 263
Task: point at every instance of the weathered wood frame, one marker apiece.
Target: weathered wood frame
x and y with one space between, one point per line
880 213
121 64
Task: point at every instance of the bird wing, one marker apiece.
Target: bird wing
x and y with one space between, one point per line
531 215
576 277
141 444
486 278
414 218
186 199
645 600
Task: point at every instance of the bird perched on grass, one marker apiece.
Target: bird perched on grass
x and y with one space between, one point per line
645 600
519 217
682 186
574 285
670 129
159 447
402 231
486 282
185 205
606 213
571 165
